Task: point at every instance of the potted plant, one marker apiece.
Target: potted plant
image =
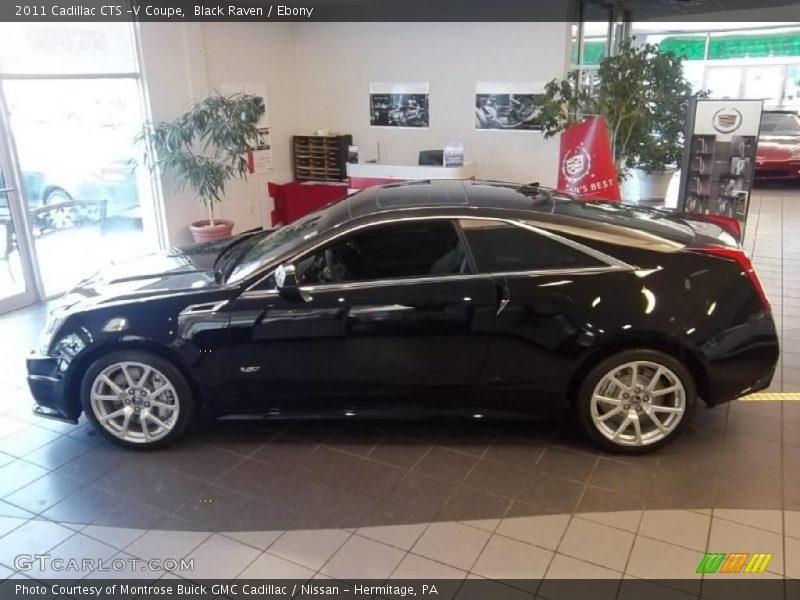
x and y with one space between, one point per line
643 96
205 148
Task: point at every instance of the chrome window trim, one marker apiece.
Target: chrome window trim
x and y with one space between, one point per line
612 263
601 256
433 279
390 282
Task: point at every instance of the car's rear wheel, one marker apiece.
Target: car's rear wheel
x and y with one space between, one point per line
137 399
636 401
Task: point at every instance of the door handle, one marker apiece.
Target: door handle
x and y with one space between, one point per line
503 298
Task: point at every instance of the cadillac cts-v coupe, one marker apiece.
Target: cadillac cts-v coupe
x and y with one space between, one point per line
446 297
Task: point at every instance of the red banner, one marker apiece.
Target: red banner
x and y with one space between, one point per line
585 164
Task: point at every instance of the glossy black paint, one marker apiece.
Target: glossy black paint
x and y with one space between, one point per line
481 343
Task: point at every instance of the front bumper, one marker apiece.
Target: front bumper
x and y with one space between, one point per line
49 389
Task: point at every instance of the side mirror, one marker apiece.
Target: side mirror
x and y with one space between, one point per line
286 283
286 278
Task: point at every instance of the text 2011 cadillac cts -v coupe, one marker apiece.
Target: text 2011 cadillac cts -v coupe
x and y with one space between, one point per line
447 297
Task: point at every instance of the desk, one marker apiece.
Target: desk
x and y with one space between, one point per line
364 175
297 199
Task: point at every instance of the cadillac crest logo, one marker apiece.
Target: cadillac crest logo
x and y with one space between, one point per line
726 120
576 164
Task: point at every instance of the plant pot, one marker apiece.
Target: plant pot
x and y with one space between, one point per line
203 231
653 186
629 187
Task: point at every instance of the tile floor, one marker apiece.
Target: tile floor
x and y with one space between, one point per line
419 499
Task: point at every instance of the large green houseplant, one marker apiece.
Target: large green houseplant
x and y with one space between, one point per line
643 96
204 148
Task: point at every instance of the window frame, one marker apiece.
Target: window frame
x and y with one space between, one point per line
610 263
416 278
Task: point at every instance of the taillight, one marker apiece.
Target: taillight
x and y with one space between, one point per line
729 224
740 257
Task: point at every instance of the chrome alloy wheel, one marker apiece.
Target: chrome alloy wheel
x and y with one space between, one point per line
638 403
134 402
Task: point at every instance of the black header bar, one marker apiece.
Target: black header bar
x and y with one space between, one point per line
380 10
741 587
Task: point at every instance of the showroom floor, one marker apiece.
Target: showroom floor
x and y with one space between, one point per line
420 499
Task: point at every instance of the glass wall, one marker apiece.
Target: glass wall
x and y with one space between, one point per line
13 284
755 62
73 101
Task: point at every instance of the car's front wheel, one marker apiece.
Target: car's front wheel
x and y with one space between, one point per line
137 399
636 401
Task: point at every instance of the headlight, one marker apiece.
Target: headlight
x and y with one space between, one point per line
54 322
795 155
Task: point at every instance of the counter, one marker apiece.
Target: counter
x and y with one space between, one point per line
364 175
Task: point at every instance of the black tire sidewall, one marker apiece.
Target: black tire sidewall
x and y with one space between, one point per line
186 399
583 400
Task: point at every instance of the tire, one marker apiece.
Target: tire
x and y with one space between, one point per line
146 417
55 194
606 399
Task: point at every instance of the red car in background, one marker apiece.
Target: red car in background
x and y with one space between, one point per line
778 154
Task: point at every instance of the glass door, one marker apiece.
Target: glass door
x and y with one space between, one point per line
724 82
74 141
73 199
791 95
17 276
765 82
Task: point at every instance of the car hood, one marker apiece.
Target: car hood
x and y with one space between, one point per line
163 273
157 274
776 147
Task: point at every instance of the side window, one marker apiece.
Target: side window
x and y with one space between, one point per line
499 247
391 251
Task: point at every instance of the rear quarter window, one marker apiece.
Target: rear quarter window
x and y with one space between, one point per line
500 247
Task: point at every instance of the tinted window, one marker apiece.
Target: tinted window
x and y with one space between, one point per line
283 240
396 250
499 247
780 124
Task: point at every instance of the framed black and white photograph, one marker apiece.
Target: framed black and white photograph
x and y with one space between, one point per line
263 141
507 106
399 105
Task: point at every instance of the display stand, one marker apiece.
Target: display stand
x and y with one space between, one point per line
719 158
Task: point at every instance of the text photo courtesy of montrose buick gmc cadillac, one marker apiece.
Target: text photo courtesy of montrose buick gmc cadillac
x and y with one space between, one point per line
457 298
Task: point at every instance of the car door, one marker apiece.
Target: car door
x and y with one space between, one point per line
384 313
540 324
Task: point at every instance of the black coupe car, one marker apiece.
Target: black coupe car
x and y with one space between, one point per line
442 297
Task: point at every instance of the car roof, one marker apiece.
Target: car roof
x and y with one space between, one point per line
439 193
548 207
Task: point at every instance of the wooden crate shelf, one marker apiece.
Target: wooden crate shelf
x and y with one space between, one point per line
320 157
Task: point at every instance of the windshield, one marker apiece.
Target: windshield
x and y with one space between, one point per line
780 124
275 244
